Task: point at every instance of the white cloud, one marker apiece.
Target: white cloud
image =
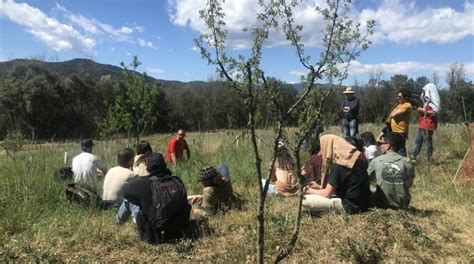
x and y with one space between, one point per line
145 43
196 49
93 26
409 24
298 73
396 22
407 67
50 31
129 54
154 71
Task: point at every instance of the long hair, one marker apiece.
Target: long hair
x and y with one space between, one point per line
284 159
144 149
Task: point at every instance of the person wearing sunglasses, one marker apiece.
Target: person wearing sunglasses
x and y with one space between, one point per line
400 118
176 147
392 174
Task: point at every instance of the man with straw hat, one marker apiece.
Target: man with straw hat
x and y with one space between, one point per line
349 112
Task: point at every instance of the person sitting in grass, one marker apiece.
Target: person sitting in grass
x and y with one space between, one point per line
283 181
163 209
144 150
312 167
347 179
371 150
217 193
117 177
86 165
393 175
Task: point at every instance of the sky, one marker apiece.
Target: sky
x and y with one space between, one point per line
416 38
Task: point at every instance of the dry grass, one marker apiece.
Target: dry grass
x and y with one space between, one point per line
38 225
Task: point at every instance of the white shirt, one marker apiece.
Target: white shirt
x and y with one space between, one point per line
114 181
371 152
84 167
140 170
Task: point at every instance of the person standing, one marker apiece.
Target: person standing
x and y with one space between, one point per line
349 112
176 146
400 118
393 175
427 122
86 164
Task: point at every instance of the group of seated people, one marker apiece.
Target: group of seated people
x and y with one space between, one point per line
339 177
128 187
348 175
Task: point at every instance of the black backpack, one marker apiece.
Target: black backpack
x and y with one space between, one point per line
63 174
82 194
169 213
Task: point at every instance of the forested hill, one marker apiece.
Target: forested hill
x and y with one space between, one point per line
71 99
81 67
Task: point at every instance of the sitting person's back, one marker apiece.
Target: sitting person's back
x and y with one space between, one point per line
144 150
118 176
286 182
86 164
217 193
148 193
393 174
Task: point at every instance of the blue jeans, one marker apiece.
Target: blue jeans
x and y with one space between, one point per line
350 128
224 170
125 210
420 138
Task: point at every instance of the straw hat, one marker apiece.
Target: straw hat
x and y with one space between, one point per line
348 91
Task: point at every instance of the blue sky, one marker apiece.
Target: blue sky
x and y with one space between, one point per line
412 37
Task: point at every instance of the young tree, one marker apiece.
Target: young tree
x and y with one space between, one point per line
342 42
134 109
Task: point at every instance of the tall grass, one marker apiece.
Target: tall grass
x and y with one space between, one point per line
38 224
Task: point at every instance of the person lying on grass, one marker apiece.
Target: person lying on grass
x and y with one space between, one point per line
217 194
393 175
346 179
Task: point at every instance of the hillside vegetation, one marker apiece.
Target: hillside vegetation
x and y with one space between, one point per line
37 223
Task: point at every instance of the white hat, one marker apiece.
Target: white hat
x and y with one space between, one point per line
348 91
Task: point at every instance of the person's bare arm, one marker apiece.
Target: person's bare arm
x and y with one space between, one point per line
173 158
326 192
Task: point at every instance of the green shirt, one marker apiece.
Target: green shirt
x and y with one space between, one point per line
394 176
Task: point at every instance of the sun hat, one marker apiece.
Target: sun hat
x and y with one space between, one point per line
207 173
348 91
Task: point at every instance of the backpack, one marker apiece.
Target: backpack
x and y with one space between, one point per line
82 194
63 174
169 213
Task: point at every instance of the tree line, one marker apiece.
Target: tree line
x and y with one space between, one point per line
44 105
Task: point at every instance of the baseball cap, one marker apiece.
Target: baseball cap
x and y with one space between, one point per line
87 143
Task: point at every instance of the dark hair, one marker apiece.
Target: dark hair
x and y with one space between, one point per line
284 159
406 93
355 142
124 156
394 140
315 147
143 147
368 138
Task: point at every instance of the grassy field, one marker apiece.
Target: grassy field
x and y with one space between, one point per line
37 223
